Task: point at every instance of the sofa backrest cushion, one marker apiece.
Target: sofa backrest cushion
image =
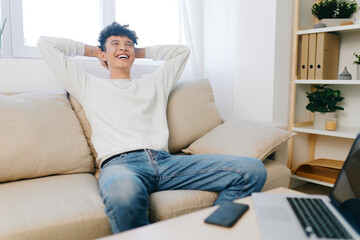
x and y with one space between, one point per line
191 114
40 135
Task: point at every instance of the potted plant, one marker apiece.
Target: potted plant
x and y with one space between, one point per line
323 103
334 12
357 62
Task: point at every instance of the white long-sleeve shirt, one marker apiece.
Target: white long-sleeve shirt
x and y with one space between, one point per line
124 114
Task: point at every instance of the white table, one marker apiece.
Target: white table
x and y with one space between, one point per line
192 226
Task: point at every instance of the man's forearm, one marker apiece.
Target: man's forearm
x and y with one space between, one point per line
92 51
139 52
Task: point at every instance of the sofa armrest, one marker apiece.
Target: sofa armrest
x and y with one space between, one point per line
281 154
243 138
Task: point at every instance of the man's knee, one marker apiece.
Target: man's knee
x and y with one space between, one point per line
122 189
125 191
257 173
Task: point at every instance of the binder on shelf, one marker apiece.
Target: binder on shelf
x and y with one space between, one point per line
304 56
312 56
327 56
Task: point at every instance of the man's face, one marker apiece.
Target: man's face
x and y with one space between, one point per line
119 53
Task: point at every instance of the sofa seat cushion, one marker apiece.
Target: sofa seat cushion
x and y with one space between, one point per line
40 135
172 203
278 175
168 204
55 207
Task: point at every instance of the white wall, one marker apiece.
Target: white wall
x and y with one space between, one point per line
283 50
262 60
218 52
24 75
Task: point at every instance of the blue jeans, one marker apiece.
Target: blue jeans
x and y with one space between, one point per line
127 181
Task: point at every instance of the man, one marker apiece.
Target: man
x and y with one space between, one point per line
129 127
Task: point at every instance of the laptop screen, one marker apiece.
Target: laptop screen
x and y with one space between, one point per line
346 191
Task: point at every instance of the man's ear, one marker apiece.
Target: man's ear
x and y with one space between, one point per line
103 55
103 59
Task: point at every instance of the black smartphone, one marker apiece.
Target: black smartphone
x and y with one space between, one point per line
227 214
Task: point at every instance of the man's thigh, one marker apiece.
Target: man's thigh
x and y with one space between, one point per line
210 172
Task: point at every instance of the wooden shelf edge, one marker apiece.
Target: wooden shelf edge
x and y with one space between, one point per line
342 132
322 169
329 81
312 181
337 29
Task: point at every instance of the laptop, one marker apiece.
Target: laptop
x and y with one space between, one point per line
336 216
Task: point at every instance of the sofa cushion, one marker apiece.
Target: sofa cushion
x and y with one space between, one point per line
80 113
240 138
191 113
168 204
54 207
278 175
40 136
172 203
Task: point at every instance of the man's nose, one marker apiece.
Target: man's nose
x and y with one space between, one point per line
123 47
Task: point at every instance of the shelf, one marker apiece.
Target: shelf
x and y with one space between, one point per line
312 181
324 170
338 29
343 132
340 82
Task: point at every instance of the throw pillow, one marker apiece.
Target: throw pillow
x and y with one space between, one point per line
191 113
40 136
242 139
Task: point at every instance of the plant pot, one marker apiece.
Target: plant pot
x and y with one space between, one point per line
358 72
333 22
320 120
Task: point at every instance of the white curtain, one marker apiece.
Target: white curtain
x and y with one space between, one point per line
192 20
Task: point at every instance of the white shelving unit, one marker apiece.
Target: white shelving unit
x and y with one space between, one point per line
340 82
342 132
339 29
304 146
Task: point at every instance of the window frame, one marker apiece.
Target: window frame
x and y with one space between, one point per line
13 37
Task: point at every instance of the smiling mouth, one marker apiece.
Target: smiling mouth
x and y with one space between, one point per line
122 57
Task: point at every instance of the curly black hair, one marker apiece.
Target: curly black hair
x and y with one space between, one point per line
116 29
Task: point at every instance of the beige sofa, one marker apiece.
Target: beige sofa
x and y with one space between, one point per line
48 176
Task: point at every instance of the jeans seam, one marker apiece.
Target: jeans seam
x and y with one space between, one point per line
203 171
108 210
243 174
153 163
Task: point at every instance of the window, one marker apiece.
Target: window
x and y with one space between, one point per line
80 22
33 18
155 21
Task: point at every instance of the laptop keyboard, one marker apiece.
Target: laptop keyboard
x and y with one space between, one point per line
317 219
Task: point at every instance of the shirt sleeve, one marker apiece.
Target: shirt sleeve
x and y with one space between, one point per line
56 53
175 57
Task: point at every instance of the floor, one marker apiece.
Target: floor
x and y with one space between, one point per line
312 188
